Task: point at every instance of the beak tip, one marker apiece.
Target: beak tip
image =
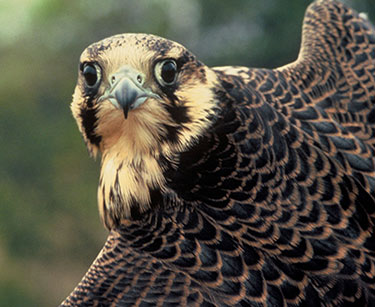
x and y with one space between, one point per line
126 94
126 111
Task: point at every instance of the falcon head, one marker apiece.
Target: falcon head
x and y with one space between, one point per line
140 98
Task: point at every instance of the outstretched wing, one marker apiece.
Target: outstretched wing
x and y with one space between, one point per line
275 205
336 69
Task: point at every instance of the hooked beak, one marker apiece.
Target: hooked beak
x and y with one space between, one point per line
126 90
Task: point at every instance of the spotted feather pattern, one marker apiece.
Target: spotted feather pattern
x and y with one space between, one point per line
274 206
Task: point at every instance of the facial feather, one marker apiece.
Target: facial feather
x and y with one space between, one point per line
169 121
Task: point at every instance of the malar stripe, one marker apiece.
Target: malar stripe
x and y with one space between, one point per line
89 122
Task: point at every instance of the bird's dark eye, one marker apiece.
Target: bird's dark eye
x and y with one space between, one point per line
166 72
92 74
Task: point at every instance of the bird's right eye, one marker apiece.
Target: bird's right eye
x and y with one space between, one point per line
166 72
92 74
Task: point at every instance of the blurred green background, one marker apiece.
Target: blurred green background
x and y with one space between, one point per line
49 226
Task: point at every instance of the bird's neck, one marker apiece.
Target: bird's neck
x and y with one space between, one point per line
130 170
127 181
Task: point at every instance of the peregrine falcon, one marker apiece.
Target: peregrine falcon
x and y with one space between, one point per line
233 186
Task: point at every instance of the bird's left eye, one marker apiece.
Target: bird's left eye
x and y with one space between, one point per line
166 72
92 74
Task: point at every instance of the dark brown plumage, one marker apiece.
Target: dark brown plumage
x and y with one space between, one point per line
234 186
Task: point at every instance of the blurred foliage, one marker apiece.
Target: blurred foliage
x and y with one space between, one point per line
49 226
